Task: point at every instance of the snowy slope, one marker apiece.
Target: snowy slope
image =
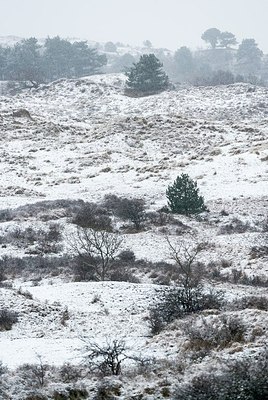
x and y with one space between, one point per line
82 139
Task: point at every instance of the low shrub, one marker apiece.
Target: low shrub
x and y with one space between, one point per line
235 226
245 379
107 391
70 394
91 215
7 319
213 332
127 209
176 303
256 302
34 375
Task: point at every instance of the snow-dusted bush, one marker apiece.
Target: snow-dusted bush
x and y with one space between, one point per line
36 266
235 226
245 379
7 319
176 303
107 391
127 209
70 394
44 241
257 302
34 374
91 215
70 373
213 332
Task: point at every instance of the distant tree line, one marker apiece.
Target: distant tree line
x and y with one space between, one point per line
223 62
57 58
219 64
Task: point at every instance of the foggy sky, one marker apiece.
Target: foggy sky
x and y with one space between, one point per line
166 23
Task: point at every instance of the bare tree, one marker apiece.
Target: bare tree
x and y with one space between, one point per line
97 250
35 374
188 298
107 359
185 257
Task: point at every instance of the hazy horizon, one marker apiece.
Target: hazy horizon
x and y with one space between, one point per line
170 23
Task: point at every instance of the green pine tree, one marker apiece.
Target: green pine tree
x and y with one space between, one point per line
147 75
183 197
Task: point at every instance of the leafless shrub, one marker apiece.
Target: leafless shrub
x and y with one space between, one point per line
34 374
45 240
177 302
7 319
96 251
191 272
106 359
259 251
70 373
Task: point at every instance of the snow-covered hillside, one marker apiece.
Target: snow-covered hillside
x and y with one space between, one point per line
84 139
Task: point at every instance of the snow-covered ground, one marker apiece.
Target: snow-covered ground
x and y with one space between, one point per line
83 139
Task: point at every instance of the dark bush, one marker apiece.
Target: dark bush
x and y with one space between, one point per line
259 251
127 256
255 302
70 394
44 240
69 373
44 210
121 275
93 216
35 396
7 319
127 209
107 391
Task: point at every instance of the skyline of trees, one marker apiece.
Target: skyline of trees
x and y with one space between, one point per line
55 58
